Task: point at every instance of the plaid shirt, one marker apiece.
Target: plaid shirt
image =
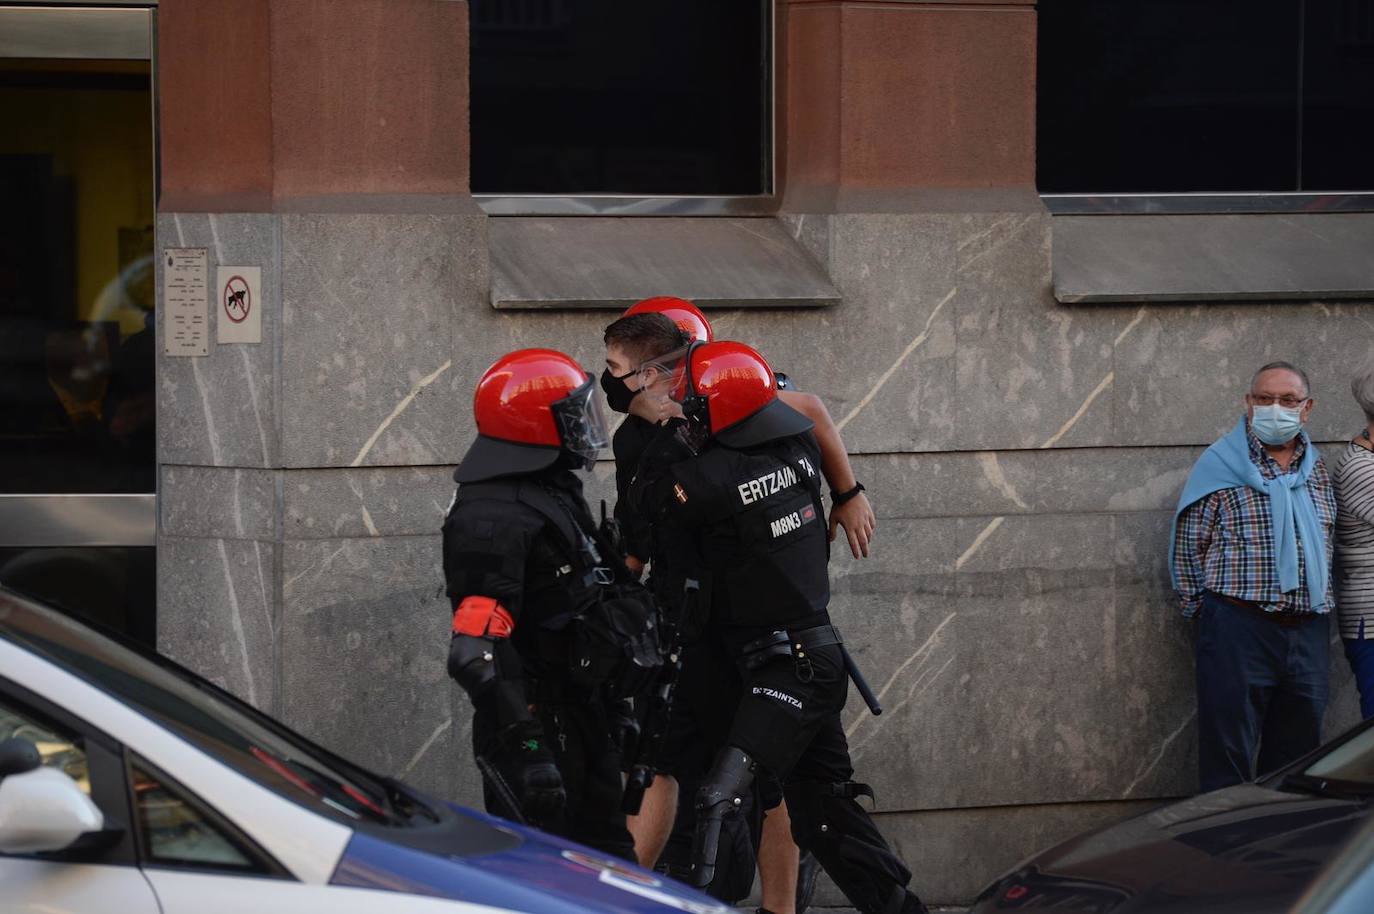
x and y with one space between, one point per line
1225 541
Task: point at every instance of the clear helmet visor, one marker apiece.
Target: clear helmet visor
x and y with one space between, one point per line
581 423
666 374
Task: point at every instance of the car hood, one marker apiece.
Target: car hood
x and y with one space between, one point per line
1243 849
526 871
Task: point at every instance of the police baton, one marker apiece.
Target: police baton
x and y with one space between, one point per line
860 683
501 789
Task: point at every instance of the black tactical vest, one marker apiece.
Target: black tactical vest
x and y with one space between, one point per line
585 619
760 530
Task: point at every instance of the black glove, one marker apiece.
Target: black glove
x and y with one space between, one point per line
534 777
624 730
673 442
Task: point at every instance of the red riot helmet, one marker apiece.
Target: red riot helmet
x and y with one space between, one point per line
729 388
680 311
532 405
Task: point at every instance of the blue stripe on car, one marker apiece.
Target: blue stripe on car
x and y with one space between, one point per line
541 875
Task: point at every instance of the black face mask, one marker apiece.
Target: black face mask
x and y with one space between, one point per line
618 394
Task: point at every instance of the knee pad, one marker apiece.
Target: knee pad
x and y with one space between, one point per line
721 793
723 790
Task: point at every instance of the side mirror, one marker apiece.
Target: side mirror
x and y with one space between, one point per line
41 809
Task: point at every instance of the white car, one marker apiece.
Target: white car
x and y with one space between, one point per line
130 785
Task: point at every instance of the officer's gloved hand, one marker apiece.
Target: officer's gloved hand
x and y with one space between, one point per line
673 442
624 730
537 782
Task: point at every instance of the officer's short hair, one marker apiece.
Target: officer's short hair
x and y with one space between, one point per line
1285 366
646 336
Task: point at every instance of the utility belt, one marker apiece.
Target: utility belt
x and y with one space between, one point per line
786 643
798 644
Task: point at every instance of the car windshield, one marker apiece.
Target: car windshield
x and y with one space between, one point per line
214 721
1350 762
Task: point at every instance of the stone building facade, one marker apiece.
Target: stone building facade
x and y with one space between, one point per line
1023 455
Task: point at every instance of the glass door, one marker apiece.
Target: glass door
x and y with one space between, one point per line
78 444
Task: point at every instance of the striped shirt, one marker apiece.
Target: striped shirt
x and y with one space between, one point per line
1225 541
1354 479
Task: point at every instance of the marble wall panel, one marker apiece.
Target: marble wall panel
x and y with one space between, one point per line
221 409
226 502
364 639
1183 374
1067 481
1025 371
884 359
887 366
948 338
370 304
366 501
1147 635
1030 372
1000 643
217 613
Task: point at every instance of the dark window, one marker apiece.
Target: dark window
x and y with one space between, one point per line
1176 96
607 96
1338 95
76 276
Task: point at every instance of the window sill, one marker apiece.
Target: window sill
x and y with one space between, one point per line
607 262
1192 258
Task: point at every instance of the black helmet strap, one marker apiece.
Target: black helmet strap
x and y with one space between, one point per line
695 406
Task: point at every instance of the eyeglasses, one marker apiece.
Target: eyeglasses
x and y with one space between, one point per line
1285 402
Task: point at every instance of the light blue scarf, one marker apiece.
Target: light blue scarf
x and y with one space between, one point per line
1227 465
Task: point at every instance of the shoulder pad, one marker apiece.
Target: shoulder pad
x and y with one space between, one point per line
476 516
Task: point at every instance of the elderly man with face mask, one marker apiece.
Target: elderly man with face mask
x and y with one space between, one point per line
1251 561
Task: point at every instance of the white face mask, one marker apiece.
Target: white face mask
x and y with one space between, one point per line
1275 424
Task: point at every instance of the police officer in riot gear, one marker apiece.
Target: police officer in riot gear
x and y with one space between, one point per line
652 331
550 632
683 726
739 477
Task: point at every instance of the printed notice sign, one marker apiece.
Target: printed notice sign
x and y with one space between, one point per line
186 326
240 304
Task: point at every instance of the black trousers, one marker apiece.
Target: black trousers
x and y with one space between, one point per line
788 720
578 735
698 727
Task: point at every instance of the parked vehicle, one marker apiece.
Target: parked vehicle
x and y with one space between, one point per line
1250 849
129 784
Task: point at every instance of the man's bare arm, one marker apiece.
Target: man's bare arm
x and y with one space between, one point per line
855 515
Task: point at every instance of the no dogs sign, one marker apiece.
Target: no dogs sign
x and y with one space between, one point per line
240 305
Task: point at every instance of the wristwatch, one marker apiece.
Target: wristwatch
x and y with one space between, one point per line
839 498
